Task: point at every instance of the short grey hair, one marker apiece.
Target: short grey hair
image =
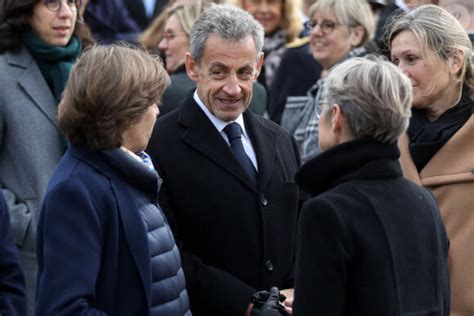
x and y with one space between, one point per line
227 22
374 95
349 12
439 32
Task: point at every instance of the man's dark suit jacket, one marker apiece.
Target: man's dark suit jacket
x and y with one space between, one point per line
235 238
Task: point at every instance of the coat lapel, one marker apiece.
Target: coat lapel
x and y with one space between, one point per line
201 135
137 241
263 142
454 162
33 84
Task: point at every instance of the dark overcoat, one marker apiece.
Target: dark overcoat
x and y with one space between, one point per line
93 254
235 238
370 242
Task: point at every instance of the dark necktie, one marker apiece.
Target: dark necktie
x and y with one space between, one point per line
234 133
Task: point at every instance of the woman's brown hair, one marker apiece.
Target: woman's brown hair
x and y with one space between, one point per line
109 89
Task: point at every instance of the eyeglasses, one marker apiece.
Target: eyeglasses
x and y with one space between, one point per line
321 106
327 26
171 36
55 5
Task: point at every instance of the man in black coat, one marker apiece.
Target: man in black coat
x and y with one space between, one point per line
231 200
12 280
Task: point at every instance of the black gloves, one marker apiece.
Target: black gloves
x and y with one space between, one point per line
268 303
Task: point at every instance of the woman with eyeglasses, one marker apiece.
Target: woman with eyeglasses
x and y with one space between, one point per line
173 43
39 42
339 31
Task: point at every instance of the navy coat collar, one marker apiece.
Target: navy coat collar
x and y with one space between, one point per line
203 136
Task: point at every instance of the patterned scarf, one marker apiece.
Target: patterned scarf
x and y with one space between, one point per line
273 48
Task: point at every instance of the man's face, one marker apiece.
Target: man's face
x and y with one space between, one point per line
225 75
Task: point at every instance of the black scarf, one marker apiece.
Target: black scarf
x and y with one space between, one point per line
427 137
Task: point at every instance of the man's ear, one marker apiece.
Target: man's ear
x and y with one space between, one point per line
191 67
259 65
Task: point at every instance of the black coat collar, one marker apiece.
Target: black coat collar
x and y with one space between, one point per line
358 159
202 135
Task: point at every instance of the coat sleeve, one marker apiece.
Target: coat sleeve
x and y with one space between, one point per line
20 216
69 248
12 281
321 261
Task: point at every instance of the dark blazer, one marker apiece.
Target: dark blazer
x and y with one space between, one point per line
235 238
12 280
93 255
136 9
370 242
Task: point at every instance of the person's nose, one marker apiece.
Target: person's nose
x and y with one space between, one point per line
263 6
65 10
404 68
163 44
232 86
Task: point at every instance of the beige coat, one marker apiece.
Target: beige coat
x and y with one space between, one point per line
450 176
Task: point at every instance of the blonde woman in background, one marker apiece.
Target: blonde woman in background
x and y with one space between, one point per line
435 52
282 22
173 43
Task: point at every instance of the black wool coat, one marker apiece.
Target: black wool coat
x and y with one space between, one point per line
235 238
369 242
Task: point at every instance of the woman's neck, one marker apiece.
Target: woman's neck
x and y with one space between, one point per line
447 100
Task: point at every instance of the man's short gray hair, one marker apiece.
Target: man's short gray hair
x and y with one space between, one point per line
374 95
227 22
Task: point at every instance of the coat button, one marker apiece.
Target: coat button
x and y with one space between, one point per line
269 265
263 200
